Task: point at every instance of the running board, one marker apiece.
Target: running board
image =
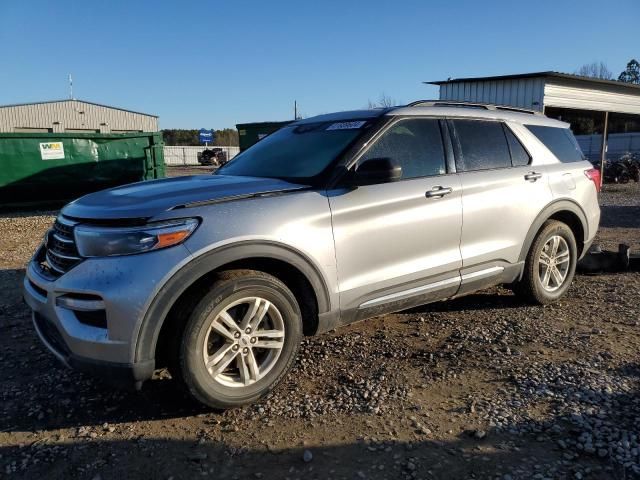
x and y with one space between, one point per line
392 297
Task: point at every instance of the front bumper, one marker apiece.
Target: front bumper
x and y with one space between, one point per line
125 287
116 373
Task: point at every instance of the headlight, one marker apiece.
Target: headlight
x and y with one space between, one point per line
105 241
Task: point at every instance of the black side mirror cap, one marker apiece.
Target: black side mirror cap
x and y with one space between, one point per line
376 170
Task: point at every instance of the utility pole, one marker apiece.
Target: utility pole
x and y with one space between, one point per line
295 110
70 87
603 150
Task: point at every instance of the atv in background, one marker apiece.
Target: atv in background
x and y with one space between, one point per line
622 170
213 156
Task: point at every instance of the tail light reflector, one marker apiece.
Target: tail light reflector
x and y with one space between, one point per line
593 174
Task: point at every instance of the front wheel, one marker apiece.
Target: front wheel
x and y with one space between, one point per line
240 340
550 264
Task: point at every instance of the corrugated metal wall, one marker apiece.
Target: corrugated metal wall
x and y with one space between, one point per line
75 115
175 155
571 94
523 93
537 92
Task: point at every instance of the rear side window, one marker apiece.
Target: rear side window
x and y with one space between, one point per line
483 145
415 144
519 156
560 141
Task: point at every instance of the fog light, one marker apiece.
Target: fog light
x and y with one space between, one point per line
85 304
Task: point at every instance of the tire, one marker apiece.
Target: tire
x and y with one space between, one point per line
531 288
238 384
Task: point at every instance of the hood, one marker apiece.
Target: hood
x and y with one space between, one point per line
147 199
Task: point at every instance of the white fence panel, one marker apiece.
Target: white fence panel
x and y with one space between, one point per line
176 155
617 145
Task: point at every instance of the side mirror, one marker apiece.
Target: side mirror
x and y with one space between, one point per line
377 170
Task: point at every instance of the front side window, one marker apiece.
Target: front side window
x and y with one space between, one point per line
483 145
560 141
414 144
297 152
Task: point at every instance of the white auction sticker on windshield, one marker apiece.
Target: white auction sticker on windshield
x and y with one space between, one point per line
346 125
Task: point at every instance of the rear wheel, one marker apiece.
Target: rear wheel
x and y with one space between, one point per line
240 340
550 264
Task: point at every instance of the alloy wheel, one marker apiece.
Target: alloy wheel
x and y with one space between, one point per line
554 262
243 342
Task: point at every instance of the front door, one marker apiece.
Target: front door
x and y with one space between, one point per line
397 243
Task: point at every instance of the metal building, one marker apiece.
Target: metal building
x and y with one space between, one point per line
592 106
538 91
73 116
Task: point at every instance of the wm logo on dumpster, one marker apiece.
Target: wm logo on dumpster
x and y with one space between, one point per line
52 151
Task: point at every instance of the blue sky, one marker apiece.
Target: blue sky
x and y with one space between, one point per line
215 64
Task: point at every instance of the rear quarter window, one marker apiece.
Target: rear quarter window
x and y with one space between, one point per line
560 141
519 156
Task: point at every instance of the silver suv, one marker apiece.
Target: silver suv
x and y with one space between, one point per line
330 220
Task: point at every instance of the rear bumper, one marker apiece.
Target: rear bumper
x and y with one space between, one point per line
119 374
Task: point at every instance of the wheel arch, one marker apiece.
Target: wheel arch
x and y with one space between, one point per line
181 290
566 211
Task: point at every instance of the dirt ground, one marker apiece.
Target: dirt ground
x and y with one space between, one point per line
478 387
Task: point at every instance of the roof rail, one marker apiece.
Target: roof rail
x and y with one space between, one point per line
455 103
517 109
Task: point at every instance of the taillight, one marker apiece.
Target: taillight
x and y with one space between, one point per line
593 174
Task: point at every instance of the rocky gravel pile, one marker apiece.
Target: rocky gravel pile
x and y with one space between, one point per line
590 410
26 232
361 383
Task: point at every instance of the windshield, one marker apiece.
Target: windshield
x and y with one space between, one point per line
296 151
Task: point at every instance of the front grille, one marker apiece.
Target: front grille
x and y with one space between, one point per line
61 254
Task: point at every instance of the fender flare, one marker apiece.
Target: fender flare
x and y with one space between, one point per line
184 278
548 211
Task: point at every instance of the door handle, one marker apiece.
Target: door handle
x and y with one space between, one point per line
532 176
438 191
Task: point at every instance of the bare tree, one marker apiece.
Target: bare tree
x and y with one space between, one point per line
384 101
595 70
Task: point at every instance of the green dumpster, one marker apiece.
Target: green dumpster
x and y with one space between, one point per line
39 167
250 133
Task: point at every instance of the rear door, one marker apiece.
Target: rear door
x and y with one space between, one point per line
502 193
396 242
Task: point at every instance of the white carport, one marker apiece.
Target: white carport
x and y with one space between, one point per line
601 112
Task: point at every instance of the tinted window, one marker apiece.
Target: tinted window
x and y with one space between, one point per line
560 141
416 145
296 151
483 145
519 155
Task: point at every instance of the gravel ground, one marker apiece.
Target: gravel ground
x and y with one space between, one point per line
478 387
620 212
